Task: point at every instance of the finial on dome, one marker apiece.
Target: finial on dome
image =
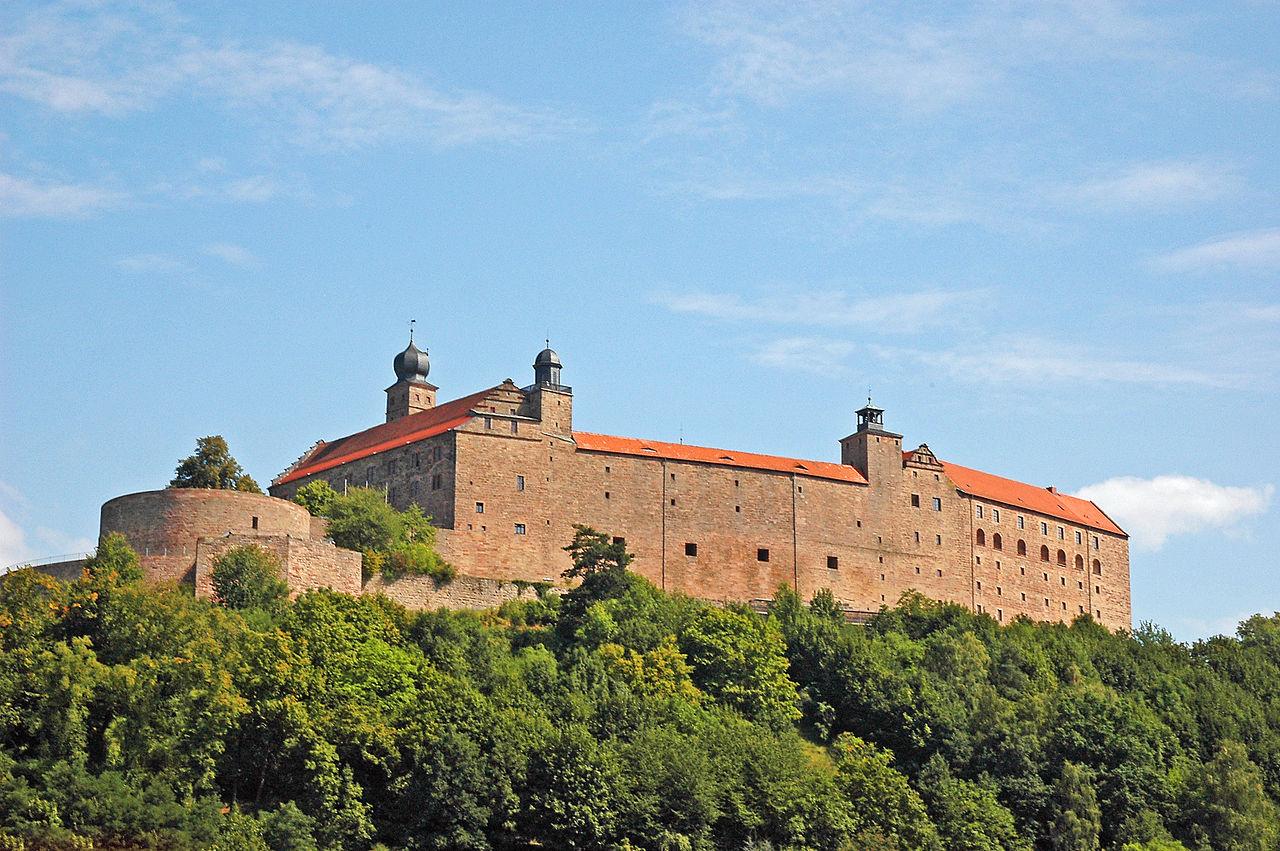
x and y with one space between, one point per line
412 364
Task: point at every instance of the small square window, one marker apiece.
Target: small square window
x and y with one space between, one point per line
1000 614
673 477
979 584
606 494
999 591
939 541
1095 542
737 509
255 522
915 500
995 515
520 530
882 577
762 554
436 482
1044 528
939 571
937 503
1079 538
691 549
917 571
488 422
673 500
439 452
479 508
1022 522
606 470
1062 534
979 510
1024 596
417 459
833 562
515 427
519 483
917 537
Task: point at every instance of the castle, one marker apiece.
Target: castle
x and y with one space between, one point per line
505 476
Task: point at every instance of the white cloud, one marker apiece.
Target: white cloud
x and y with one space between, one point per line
1152 510
807 354
894 312
22 198
257 189
119 58
1155 185
153 264
13 542
230 253
1021 360
672 118
1250 250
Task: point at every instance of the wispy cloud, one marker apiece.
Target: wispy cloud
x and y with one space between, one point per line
1021 360
1250 250
153 264
17 546
118 58
24 198
1155 185
230 253
806 354
886 312
1153 510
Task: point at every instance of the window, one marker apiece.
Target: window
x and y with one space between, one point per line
1046 602
1079 538
439 452
997 541
1024 596
488 422
417 459
979 511
1022 547
981 538
939 571
1062 557
520 529
255 523
833 562
737 509
673 500
939 537
917 571
436 482
937 503
1095 542
673 477
995 515
606 470
1044 528
915 500
1097 567
999 614
979 584
1064 581
917 537
762 554
1022 522
999 591
1080 585
479 508
519 483
1044 553
1062 534
515 427
1079 562
691 549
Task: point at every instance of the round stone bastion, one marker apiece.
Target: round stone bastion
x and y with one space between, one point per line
165 526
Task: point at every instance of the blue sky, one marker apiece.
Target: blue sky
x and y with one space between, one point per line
1045 235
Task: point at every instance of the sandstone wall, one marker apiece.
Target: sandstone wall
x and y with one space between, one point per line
463 592
307 564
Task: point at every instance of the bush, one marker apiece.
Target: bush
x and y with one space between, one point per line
248 577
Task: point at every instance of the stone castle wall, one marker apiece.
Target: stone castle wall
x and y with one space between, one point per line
462 592
306 564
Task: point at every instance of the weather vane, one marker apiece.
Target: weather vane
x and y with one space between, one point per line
411 321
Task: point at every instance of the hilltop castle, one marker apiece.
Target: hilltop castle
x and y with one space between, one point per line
504 475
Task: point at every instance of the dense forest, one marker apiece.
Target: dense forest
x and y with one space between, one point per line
613 717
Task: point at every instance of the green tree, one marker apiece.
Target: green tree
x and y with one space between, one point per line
114 561
739 658
317 497
1226 808
394 543
884 806
1077 819
213 467
968 815
248 577
594 552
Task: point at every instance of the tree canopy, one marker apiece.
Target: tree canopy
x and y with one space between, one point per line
614 716
211 466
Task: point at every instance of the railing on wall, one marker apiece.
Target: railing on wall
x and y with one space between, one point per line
18 565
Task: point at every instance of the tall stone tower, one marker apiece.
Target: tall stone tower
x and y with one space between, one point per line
872 450
412 392
547 399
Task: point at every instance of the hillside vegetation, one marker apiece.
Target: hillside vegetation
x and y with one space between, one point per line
614 717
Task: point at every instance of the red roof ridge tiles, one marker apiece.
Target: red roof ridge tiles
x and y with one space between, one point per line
1047 501
401 432
591 442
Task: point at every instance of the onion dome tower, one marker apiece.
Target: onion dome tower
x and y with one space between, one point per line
412 392
546 368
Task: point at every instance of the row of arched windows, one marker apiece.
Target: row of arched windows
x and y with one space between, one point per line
997 543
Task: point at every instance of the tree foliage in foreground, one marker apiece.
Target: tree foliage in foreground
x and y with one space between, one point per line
614 717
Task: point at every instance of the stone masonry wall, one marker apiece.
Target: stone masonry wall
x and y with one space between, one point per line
307 564
463 592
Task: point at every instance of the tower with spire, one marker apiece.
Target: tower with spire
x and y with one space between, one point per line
412 392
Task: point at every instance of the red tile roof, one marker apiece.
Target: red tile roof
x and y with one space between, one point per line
723 457
1041 500
400 432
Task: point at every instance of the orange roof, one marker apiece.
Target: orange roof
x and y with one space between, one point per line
1030 497
371 441
722 457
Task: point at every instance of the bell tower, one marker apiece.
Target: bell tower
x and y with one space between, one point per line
412 392
872 450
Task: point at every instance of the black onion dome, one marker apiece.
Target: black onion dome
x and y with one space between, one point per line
412 364
547 357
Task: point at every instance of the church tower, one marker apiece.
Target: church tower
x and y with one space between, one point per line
871 450
412 392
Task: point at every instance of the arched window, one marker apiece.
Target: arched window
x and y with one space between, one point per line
1079 562
1022 547
1062 557
1044 553
982 538
997 541
1097 567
